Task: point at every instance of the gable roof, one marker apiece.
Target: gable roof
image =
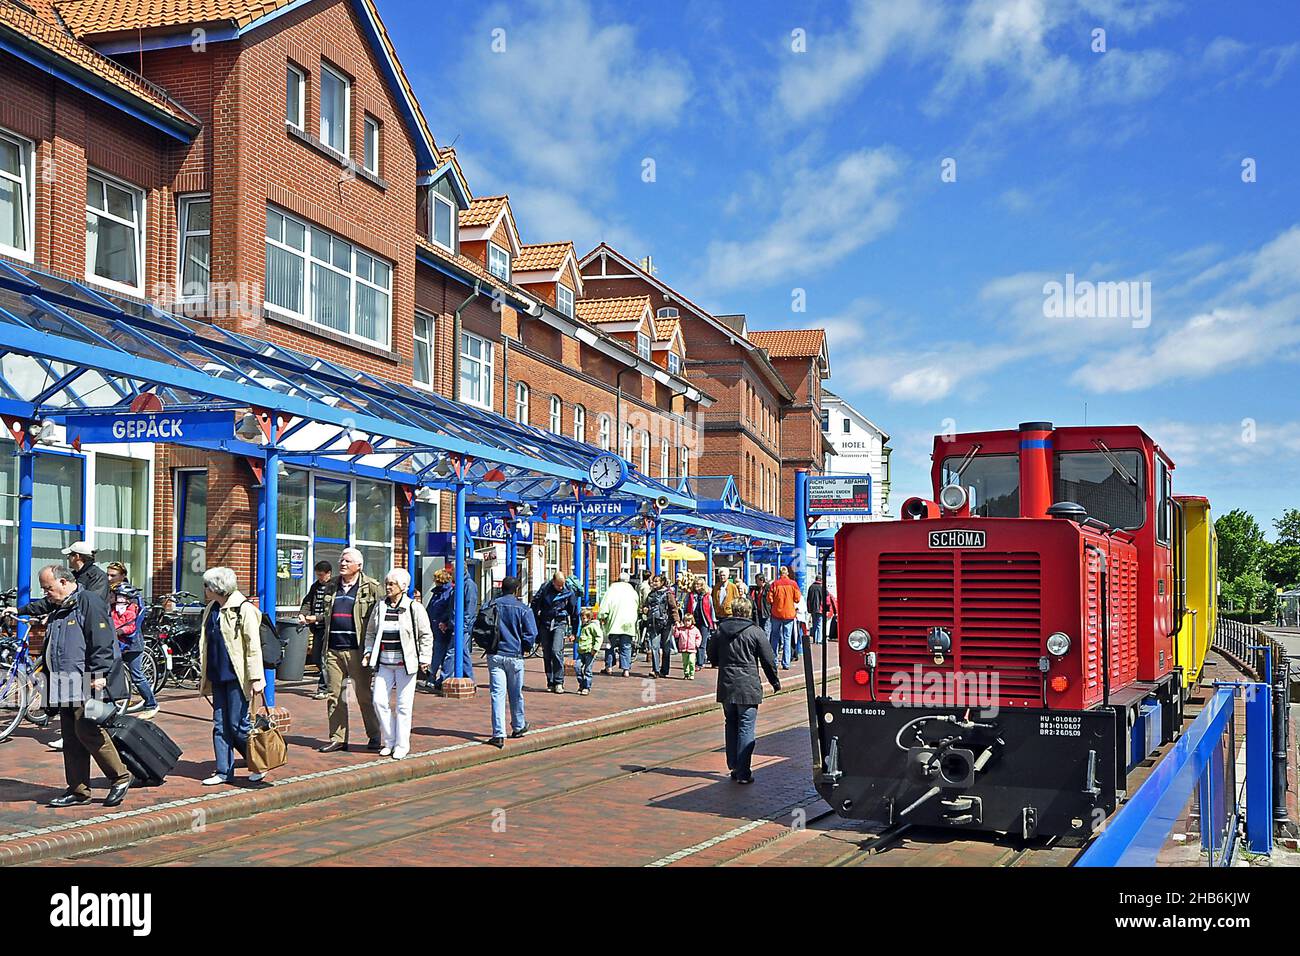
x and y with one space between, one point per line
483 218
791 343
665 329
630 308
543 256
483 211
49 47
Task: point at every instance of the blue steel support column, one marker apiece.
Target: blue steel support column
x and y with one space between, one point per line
412 510
708 562
512 549
579 560
268 529
259 560
1259 767
801 528
462 533
648 542
658 568
745 565
26 483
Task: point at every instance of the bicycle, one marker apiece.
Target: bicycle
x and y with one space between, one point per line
20 695
171 640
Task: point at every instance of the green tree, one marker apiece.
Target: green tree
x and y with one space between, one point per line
1280 561
1241 543
1249 595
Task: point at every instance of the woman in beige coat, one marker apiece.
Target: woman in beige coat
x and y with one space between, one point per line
399 644
230 660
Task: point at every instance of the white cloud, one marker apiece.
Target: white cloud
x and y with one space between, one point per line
826 212
835 64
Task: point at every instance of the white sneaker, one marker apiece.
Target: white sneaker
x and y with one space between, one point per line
400 754
148 714
559 688
385 751
56 744
213 780
255 777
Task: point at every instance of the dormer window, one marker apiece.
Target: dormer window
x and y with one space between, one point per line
443 215
498 262
564 299
643 345
668 312
674 363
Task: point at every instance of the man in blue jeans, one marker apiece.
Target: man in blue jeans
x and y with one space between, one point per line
516 635
741 650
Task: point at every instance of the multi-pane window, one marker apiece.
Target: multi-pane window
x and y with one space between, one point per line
194 226
370 158
645 453
346 289
373 526
475 370
667 312
564 299
498 262
557 415
826 419
17 157
521 403
674 363
663 458
442 215
683 462
192 528
580 424
423 359
295 95
114 233
335 102
627 441
643 345
848 426
122 515
603 428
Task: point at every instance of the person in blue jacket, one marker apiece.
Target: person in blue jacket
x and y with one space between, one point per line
516 635
558 615
442 617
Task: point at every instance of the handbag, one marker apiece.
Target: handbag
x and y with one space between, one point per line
267 749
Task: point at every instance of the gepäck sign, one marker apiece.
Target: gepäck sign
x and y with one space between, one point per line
155 427
839 495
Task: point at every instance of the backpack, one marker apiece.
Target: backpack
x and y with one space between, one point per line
272 646
485 633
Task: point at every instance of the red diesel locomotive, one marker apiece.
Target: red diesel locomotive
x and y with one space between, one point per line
1007 650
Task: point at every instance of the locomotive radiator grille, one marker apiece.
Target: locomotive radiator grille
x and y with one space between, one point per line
989 601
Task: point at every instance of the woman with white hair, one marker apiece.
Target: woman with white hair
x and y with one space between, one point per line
399 644
230 660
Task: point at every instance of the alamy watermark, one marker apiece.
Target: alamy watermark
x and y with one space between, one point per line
1073 299
935 688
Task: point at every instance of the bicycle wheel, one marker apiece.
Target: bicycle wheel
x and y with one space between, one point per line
13 704
150 668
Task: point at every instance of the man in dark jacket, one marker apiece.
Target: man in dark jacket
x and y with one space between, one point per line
759 599
556 608
516 634
82 660
90 576
312 615
814 598
739 648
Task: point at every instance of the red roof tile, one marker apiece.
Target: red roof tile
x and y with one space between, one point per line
791 343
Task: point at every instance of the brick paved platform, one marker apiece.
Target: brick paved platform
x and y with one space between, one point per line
447 734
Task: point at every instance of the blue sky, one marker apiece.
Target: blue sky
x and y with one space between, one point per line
821 169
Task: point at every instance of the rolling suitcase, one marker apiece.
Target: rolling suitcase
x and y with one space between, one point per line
145 748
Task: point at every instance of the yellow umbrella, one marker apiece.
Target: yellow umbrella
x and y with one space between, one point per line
673 551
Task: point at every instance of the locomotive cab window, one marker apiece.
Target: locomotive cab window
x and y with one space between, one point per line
995 480
1111 488
1165 503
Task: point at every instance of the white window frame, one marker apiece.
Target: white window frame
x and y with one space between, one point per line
674 363
521 403
603 430
346 151
643 345
140 201
557 415
683 462
484 360
564 299
141 577
427 344
309 257
629 441
437 197
580 423
663 458
667 312
26 180
183 232
645 453
301 74
501 254
370 145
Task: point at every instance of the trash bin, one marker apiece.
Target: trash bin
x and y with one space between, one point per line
296 639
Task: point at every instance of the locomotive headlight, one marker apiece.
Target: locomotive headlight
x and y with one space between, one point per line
859 639
1058 644
952 497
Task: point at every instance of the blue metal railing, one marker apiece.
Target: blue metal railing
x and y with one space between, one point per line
1204 760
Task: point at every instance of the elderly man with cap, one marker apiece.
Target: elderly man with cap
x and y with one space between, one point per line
90 576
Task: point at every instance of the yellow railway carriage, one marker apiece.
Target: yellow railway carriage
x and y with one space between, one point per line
1197 571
